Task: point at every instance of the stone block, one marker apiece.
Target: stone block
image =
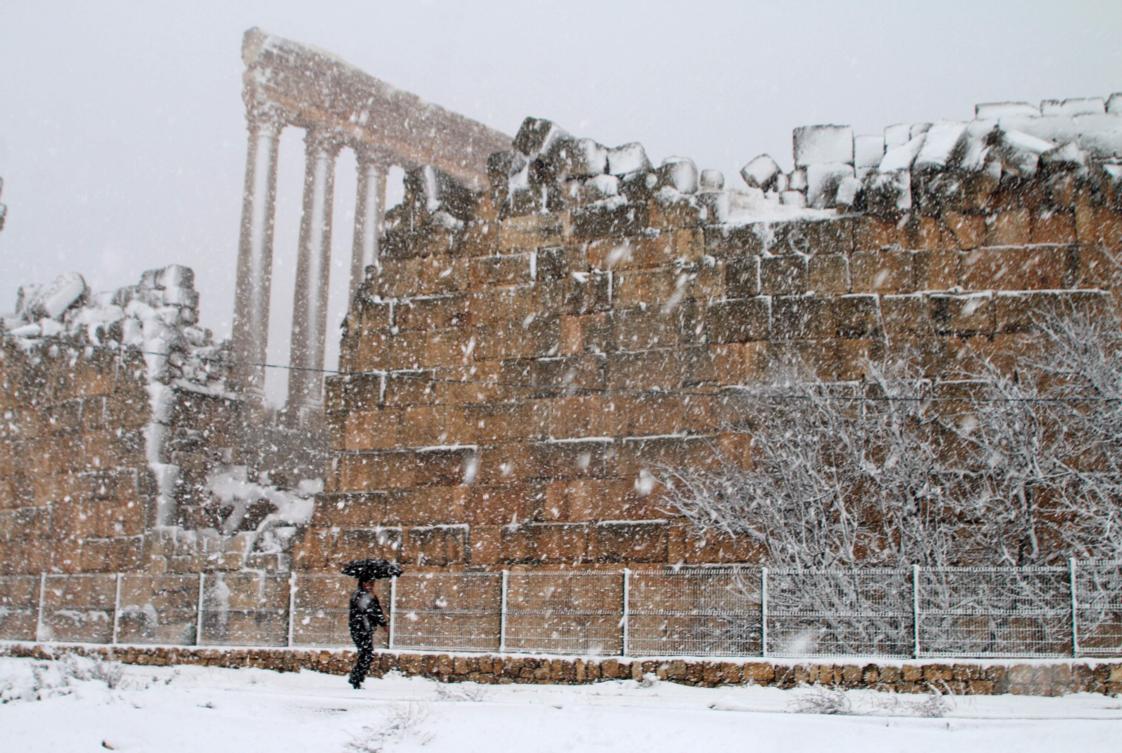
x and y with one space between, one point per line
1011 227
961 314
738 320
545 543
886 271
1055 227
1029 268
628 542
783 275
937 269
823 143
827 274
856 316
435 546
802 318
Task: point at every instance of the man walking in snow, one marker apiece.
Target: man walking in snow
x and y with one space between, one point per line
365 617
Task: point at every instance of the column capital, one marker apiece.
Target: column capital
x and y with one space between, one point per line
368 156
323 141
264 116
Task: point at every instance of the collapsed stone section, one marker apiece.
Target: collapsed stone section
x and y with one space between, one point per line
522 361
117 447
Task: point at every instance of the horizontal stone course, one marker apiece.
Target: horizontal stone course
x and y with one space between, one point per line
983 678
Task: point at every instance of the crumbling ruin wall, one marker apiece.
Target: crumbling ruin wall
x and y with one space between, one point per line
118 449
521 361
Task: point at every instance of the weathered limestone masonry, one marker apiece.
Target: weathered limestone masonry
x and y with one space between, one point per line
972 678
117 444
523 359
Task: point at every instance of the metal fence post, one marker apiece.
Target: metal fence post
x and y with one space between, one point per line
199 611
915 611
42 599
393 613
1074 607
625 621
117 610
291 607
763 611
502 611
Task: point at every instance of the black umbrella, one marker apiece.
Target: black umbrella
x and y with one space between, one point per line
372 569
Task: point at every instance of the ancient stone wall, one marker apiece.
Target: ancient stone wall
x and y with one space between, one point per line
521 361
117 447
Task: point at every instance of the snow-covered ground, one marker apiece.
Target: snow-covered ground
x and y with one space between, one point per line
78 704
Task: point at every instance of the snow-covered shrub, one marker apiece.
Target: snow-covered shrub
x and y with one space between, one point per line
1010 465
403 722
821 699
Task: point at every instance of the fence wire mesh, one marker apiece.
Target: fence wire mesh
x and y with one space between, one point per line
1098 608
711 612
865 612
244 609
565 613
995 611
448 611
704 611
19 607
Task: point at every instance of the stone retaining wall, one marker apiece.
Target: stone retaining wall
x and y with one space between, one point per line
1049 679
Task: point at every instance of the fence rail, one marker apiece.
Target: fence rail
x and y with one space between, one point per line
1072 610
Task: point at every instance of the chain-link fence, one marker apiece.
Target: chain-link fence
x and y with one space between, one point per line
1071 610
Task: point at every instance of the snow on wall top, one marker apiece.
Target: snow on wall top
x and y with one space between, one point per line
158 316
835 170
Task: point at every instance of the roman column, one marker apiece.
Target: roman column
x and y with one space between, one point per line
370 207
309 313
255 251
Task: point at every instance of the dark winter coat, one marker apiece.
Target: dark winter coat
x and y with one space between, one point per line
366 615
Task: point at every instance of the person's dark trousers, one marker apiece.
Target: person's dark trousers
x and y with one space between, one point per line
365 646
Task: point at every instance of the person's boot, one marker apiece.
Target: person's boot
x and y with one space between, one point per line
355 682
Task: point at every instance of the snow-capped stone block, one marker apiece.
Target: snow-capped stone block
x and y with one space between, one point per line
895 135
899 158
886 192
577 158
848 191
536 134
793 198
599 188
868 151
942 144
1074 106
712 180
796 180
1114 103
502 165
823 143
1019 152
53 299
1065 157
975 145
760 172
679 173
1100 135
918 129
627 159
175 276
436 191
1005 110
822 181
181 296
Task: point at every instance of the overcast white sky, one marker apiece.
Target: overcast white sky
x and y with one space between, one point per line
122 139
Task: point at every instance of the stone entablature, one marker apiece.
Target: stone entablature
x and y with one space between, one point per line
289 84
